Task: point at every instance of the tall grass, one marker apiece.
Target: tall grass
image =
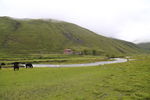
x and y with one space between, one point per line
51 58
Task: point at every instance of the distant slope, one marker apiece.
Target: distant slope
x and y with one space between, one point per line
144 45
51 36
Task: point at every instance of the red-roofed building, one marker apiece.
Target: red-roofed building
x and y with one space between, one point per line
68 51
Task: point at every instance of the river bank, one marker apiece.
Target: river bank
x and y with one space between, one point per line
114 60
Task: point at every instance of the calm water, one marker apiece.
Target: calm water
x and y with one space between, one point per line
117 60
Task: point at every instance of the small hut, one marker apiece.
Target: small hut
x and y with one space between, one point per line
68 51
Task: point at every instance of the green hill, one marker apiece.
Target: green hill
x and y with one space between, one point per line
52 36
145 45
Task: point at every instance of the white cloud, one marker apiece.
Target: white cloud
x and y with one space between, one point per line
137 32
124 19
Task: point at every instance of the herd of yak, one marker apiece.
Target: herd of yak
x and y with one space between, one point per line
16 65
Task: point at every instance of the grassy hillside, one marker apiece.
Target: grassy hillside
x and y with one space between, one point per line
144 45
51 36
123 81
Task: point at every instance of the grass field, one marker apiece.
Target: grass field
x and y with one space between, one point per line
52 59
124 81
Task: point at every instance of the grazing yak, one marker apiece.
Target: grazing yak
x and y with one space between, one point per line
29 65
2 64
16 66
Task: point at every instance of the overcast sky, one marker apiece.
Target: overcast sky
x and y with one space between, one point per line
124 19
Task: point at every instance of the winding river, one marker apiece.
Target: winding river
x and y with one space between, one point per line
116 60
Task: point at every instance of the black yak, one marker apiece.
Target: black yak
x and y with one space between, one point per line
29 65
16 65
2 64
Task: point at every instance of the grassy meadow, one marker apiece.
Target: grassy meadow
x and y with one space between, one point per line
51 59
122 81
